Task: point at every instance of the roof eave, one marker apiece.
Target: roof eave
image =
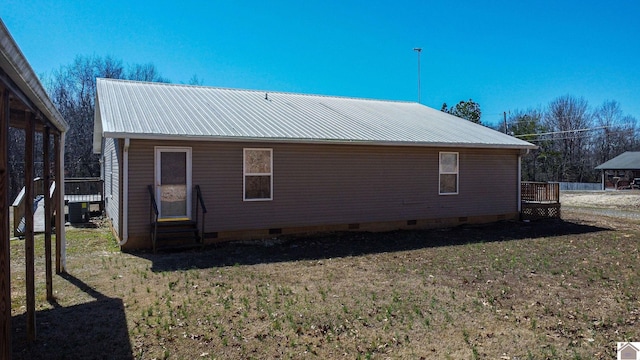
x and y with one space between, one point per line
121 135
616 168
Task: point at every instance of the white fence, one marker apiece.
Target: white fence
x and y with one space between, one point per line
564 186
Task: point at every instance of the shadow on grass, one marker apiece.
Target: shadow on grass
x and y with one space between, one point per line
341 244
94 330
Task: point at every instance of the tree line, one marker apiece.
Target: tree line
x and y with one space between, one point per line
72 88
571 136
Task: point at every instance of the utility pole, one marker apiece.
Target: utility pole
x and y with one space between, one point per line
418 50
505 122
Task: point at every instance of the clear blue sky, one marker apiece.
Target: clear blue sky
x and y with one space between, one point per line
505 55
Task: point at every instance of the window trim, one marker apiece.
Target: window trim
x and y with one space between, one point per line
456 172
245 174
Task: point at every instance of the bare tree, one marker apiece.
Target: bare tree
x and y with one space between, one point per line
617 132
73 89
568 117
526 125
194 80
145 72
17 159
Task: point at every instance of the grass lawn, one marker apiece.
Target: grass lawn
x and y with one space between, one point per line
542 290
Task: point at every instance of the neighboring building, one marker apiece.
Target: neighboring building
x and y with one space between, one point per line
277 163
621 172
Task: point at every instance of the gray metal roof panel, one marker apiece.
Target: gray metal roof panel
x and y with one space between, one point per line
629 160
139 109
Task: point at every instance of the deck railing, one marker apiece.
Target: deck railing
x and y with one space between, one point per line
539 192
84 190
540 200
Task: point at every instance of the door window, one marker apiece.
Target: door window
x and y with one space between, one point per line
173 182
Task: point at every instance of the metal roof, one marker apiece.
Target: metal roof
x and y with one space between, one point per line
16 66
142 110
629 160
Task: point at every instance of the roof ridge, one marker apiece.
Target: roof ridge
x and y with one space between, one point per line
255 90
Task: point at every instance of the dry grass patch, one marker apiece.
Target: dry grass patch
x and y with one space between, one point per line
554 289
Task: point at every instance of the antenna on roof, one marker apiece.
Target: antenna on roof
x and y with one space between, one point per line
418 50
266 96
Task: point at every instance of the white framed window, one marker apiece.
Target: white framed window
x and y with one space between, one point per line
258 174
449 173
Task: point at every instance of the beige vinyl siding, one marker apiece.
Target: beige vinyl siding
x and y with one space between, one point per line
492 178
111 173
141 174
331 184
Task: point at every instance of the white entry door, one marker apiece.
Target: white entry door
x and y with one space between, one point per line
173 182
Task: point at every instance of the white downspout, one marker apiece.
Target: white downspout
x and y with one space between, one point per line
125 192
520 183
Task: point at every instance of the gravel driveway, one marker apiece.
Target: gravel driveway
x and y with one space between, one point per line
621 204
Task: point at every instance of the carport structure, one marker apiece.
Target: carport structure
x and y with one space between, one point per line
24 104
621 172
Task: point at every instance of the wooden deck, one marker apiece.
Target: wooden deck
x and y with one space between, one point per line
540 200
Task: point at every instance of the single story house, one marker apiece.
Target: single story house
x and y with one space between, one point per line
266 163
621 172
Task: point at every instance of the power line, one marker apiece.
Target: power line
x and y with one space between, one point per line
561 132
578 137
576 131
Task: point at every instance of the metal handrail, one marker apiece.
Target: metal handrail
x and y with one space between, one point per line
154 205
200 204
154 213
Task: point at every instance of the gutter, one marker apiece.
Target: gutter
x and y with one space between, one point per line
125 192
140 136
520 183
520 178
